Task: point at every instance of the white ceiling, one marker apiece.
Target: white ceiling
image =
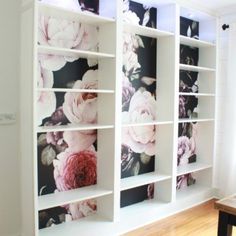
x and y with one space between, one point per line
219 6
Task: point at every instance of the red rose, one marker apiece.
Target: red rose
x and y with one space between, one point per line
75 170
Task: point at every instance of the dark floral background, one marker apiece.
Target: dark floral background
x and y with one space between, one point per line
136 195
184 181
67 160
188 81
189 55
138 100
189 28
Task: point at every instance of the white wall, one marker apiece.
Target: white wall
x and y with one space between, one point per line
226 169
9 155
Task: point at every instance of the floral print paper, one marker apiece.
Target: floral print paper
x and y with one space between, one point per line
138 100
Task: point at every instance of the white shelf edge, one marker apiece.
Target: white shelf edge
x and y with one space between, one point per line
71 196
140 180
195 68
191 190
195 120
145 31
147 123
80 127
197 94
85 17
193 167
66 90
194 42
72 52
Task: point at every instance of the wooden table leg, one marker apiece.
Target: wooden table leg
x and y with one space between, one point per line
224 228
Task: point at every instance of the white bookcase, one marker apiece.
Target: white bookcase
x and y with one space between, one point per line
110 219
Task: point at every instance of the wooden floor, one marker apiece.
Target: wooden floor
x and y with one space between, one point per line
198 221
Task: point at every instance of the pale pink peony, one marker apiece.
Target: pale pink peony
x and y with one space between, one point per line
142 109
186 148
82 209
45 77
131 17
81 108
127 92
131 43
46 101
79 140
75 170
65 34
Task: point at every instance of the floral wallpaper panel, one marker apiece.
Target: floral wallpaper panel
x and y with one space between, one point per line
66 160
188 81
138 13
66 72
188 107
187 143
136 195
189 28
184 181
70 212
189 55
76 5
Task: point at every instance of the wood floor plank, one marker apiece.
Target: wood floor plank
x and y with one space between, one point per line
198 221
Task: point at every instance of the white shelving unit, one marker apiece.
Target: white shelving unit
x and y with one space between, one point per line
110 219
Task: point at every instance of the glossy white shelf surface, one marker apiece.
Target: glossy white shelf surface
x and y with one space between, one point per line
72 52
193 167
145 31
140 180
147 123
82 16
66 90
63 198
198 94
195 120
195 68
194 42
70 127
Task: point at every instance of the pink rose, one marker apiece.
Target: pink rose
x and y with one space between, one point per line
46 101
82 209
45 77
75 170
81 108
79 140
131 17
65 34
142 109
127 92
186 148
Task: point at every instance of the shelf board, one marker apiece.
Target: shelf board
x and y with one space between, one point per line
192 190
145 31
140 180
194 42
195 68
76 195
72 52
148 123
70 127
195 120
82 16
193 167
198 94
66 90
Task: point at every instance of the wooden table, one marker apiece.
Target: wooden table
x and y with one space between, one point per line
227 215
